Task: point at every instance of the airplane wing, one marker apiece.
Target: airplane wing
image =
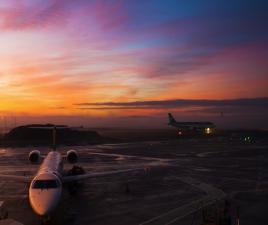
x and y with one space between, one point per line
67 179
23 179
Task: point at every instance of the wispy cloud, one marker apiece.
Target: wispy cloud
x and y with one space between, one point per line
177 103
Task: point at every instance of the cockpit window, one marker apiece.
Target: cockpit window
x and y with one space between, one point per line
45 184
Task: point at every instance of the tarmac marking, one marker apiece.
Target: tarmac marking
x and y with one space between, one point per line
213 194
16 196
253 148
131 156
173 214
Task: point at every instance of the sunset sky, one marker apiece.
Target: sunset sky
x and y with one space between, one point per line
129 62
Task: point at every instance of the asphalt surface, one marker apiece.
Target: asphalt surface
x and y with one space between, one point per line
180 177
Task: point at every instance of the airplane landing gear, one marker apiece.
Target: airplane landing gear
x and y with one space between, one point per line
76 170
45 220
73 186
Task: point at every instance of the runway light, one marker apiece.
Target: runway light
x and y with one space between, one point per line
208 130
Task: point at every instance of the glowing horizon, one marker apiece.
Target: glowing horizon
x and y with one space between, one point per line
57 54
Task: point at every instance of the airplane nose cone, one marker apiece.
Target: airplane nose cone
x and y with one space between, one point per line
44 202
41 209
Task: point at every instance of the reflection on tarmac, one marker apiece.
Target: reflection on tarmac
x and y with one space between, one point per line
183 176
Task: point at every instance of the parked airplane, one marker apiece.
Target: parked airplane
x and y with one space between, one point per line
203 127
46 186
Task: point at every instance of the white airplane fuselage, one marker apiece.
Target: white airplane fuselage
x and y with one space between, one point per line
46 187
204 127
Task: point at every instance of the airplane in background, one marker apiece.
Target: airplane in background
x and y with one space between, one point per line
199 127
47 185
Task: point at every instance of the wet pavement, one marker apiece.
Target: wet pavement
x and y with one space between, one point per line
179 178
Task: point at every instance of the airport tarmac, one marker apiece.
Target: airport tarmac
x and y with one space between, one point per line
179 178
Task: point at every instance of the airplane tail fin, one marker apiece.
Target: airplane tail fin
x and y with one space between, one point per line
171 119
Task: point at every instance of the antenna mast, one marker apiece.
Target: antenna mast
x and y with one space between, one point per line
54 139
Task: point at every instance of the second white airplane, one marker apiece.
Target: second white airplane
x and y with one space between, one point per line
201 127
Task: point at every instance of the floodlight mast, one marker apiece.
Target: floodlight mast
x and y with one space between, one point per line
54 139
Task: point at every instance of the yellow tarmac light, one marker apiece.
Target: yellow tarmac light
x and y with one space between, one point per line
208 130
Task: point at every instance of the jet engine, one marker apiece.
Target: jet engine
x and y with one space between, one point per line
72 156
34 156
